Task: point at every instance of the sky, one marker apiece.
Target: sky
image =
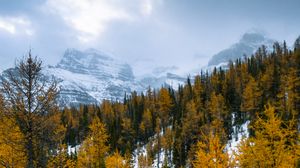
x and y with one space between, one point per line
147 34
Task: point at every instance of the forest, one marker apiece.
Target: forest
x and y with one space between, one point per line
189 126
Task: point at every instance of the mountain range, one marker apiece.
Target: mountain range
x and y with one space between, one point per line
88 77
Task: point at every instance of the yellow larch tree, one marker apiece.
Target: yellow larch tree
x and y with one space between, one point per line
251 96
116 161
165 104
211 153
94 148
12 152
276 144
30 103
61 159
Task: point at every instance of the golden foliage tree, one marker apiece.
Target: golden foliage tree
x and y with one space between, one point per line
12 152
165 104
30 104
116 161
61 159
276 144
251 96
217 111
293 95
93 150
211 153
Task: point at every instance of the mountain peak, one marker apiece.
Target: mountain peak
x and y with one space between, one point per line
247 45
85 61
74 54
252 37
91 75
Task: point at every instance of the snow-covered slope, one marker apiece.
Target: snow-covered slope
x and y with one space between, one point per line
247 45
88 77
239 133
91 76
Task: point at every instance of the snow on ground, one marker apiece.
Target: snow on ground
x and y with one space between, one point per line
139 151
161 159
73 149
142 151
241 133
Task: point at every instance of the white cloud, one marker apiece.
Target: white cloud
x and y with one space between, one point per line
6 26
146 7
16 25
89 17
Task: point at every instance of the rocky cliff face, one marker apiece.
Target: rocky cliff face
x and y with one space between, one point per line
91 76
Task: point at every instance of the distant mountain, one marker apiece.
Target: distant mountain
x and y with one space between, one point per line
168 79
91 76
163 76
247 45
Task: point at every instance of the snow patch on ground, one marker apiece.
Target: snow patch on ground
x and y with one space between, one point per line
139 151
73 149
159 160
241 132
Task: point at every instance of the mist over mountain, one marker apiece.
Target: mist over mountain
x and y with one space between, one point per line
90 76
246 46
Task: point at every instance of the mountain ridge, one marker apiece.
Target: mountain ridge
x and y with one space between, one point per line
246 46
90 76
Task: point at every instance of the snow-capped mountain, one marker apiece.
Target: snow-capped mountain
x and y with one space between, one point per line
90 76
246 46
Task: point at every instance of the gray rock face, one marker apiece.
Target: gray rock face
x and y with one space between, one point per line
91 76
247 45
95 63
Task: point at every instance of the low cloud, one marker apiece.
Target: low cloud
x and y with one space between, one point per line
16 25
92 18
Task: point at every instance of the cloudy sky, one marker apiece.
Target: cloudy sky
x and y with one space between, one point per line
144 33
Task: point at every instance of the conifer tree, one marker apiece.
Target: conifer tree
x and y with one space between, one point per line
190 126
251 97
167 143
165 105
12 152
116 161
94 148
61 159
211 153
217 108
30 102
276 143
